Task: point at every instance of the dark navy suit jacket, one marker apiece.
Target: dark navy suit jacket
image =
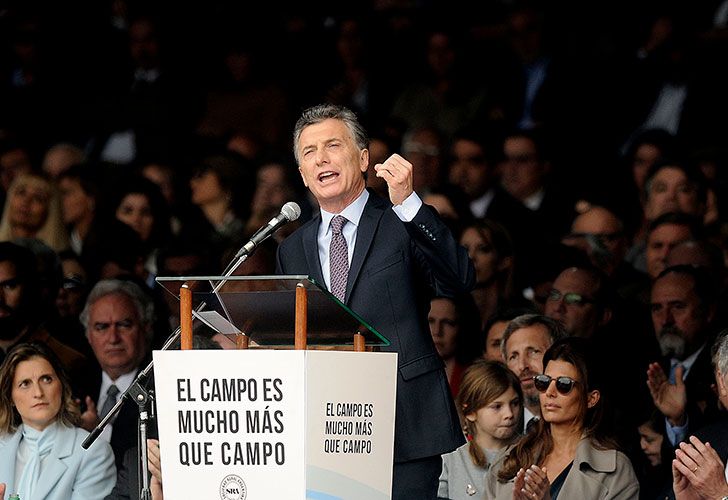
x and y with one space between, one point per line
395 269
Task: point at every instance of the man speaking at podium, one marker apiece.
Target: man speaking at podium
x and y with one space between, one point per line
385 260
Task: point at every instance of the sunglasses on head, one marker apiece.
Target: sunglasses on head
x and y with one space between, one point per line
569 297
563 384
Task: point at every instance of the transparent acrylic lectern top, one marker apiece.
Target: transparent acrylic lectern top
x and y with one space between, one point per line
264 308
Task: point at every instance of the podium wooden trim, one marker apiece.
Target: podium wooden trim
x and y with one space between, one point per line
242 341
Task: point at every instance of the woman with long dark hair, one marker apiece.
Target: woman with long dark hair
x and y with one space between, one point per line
567 453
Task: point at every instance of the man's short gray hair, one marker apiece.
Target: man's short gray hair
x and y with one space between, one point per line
721 355
554 329
142 302
317 114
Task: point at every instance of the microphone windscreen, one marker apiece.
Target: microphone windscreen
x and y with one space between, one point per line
291 210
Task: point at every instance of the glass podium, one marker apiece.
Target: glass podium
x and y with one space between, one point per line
270 311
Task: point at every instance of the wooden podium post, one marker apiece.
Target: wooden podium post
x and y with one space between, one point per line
301 324
185 317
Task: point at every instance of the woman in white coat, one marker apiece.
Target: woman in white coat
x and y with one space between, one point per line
40 446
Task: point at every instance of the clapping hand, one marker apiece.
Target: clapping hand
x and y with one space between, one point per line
670 399
698 471
532 484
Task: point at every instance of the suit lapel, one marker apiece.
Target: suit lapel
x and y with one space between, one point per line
310 248
368 223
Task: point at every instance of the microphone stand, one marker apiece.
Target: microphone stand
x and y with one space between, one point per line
143 397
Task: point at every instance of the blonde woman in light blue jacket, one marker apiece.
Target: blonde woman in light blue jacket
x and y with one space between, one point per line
40 446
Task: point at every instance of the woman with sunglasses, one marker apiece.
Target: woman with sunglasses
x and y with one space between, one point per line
566 455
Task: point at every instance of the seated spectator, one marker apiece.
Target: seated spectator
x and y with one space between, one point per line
40 443
455 330
275 185
491 250
60 157
670 186
525 340
566 455
33 210
496 327
221 191
600 233
490 402
139 204
80 194
683 310
118 319
24 317
653 464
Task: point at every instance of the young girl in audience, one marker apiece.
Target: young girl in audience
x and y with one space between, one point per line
490 404
653 468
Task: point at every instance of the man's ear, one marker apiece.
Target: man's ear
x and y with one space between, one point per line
302 177
364 160
592 398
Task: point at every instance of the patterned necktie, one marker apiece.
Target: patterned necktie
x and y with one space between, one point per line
338 258
111 394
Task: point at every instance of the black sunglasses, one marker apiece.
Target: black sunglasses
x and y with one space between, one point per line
563 384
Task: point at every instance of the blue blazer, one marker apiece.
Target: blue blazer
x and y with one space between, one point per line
395 270
69 472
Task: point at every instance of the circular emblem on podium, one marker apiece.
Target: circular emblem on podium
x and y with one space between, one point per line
232 487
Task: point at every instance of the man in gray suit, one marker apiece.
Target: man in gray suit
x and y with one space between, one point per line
385 260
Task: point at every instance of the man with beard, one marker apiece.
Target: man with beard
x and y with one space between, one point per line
683 306
21 309
525 341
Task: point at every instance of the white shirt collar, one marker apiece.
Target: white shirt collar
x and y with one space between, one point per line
352 212
534 201
122 383
689 361
480 206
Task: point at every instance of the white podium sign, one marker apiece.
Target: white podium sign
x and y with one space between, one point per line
276 424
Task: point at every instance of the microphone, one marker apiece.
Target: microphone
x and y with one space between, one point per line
289 212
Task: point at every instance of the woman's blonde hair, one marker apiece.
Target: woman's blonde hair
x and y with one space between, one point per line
52 232
9 417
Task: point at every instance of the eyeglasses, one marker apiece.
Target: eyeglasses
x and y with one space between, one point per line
563 384
73 281
569 297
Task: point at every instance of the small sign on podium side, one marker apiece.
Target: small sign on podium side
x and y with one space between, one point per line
276 424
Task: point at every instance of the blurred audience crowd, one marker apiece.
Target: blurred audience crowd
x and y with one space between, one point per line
577 150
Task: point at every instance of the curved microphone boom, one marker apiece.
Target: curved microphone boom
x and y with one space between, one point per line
289 212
